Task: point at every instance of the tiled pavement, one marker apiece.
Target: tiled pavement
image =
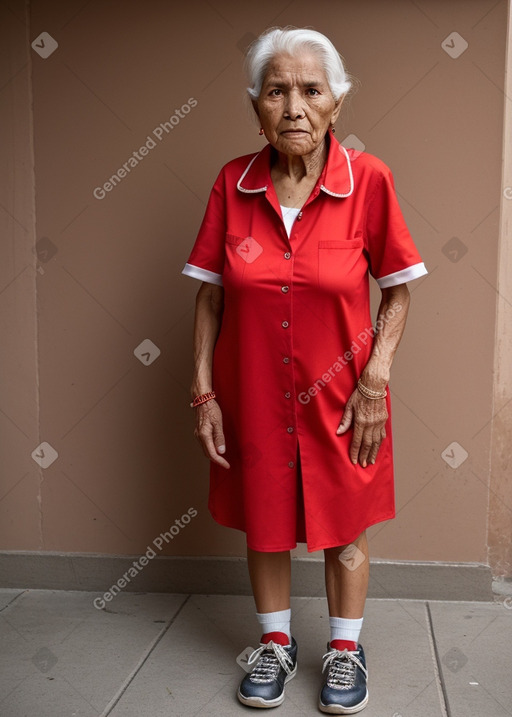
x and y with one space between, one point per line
157 654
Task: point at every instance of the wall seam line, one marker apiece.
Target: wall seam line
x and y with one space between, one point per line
113 702
440 683
502 384
34 264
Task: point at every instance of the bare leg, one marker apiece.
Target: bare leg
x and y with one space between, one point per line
270 575
346 585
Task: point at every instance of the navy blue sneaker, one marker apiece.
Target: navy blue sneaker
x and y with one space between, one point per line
275 666
344 691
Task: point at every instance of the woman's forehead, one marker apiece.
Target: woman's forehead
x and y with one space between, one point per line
304 66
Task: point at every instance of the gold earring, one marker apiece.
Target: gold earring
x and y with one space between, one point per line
261 131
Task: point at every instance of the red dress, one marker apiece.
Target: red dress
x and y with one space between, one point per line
296 334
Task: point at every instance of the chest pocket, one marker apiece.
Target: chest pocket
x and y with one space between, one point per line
341 264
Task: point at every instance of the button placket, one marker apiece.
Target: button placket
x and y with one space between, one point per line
285 325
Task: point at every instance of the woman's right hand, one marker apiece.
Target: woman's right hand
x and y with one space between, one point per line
209 431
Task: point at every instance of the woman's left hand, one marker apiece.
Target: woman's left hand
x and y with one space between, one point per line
369 418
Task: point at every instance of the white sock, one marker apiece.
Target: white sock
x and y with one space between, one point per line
345 629
275 621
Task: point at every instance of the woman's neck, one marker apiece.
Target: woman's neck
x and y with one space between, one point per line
296 167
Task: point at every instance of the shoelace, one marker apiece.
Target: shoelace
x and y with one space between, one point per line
271 658
342 668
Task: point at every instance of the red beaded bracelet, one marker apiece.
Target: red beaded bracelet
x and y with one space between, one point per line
203 398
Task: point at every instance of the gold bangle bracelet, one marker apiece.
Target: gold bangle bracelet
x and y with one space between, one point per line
369 393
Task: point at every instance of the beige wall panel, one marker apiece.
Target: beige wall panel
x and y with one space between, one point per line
19 432
128 464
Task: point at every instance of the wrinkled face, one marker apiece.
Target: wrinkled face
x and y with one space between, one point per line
296 106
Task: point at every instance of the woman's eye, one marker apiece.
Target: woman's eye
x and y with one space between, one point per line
313 91
275 93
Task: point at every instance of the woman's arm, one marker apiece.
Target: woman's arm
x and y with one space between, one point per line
368 415
209 308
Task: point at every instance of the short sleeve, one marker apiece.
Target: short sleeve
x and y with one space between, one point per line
206 261
393 256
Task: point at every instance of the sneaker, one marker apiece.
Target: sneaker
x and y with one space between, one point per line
275 666
344 691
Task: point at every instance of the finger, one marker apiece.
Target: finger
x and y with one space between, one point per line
218 439
221 462
379 436
355 445
205 437
210 434
364 450
220 445
203 440
369 445
212 452
346 420
372 456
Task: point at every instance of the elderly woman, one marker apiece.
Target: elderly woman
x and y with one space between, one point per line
290 381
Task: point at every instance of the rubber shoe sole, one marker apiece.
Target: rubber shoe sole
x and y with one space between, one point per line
339 710
266 704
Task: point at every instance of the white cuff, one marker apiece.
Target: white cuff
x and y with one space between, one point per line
202 274
400 277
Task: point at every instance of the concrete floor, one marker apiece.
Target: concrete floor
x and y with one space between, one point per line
157 654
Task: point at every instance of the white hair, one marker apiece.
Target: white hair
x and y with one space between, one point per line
292 41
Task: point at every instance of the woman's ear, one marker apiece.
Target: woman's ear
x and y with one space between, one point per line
337 109
255 107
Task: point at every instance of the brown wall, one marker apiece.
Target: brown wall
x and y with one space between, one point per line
108 277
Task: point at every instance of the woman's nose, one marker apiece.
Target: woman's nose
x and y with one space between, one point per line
293 107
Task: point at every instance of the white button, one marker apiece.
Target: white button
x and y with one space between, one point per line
287 255
285 289
286 359
290 429
285 324
291 464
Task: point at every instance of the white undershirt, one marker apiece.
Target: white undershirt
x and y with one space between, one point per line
290 214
